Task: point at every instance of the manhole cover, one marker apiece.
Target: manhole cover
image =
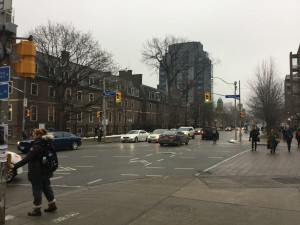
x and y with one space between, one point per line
288 180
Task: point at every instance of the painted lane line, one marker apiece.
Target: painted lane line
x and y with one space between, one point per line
94 181
154 175
65 217
155 167
63 173
171 156
184 168
134 159
160 160
214 166
121 156
55 178
216 157
148 155
90 156
128 174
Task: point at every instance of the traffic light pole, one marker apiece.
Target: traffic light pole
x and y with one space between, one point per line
104 113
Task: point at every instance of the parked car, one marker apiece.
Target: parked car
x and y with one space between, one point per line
173 137
154 136
228 129
135 136
198 131
12 173
62 140
207 133
188 131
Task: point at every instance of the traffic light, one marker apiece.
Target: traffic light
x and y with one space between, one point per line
242 114
118 97
27 112
25 66
98 114
207 97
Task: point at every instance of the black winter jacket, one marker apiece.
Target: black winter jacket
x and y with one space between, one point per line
34 159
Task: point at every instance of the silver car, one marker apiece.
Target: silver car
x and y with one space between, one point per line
154 136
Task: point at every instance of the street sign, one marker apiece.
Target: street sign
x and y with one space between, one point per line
4 73
4 91
232 96
108 93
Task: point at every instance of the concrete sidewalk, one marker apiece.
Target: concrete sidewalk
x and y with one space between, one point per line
252 188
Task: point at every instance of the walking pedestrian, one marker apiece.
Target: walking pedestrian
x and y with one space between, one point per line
215 134
253 137
96 132
273 140
283 133
289 137
40 181
100 134
298 137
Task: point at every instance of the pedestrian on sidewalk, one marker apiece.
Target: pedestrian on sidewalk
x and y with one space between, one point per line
40 181
289 137
215 134
96 131
298 137
100 134
283 133
254 136
273 140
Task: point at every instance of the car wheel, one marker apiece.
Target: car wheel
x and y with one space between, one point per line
10 175
136 140
149 141
74 145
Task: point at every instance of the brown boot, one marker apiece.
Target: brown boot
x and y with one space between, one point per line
36 211
51 207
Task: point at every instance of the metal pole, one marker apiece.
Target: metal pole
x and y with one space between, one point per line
24 106
240 111
235 131
104 113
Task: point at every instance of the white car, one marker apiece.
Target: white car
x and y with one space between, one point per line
188 131
154 136
11 173
228 129
135 136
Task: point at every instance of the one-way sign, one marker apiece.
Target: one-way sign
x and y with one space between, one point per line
232 96
108 93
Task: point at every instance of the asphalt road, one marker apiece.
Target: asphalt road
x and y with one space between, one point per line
95 164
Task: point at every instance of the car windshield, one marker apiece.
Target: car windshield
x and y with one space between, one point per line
183 129
169 132
133 132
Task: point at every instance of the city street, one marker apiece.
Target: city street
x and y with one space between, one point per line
95 164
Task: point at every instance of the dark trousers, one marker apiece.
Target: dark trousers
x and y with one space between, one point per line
289 142
254 144
39 187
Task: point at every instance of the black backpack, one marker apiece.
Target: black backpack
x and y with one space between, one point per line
49 158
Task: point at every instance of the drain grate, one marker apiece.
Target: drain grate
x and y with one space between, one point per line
288 180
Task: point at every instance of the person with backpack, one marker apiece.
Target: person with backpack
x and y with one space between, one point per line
39 178
288 136
298 137
254 136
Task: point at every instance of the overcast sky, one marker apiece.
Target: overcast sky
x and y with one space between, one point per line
239 33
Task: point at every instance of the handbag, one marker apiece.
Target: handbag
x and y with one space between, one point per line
277 140
258 139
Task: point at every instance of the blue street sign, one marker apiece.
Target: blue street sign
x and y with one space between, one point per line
232 96
108 93
4 91
4 73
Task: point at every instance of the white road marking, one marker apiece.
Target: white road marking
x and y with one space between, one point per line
128 174
63 173
65 217
216 157
154 175
121 156
171 156
148 155
64 169
187 157
90 156
84 166
55 178
160 160
94 181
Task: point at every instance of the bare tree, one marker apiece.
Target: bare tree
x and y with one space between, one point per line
266 100
68 58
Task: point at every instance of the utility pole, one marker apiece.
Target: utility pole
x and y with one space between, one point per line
104 112
235 131
240 107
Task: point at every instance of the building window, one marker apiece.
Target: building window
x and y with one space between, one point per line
150 106
91 97
68 93
51 91
34 89
9 112
51 111
126 103
90 116
33 113
91 80
79 116
79 96
36 68
51 70
132 104
79 131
